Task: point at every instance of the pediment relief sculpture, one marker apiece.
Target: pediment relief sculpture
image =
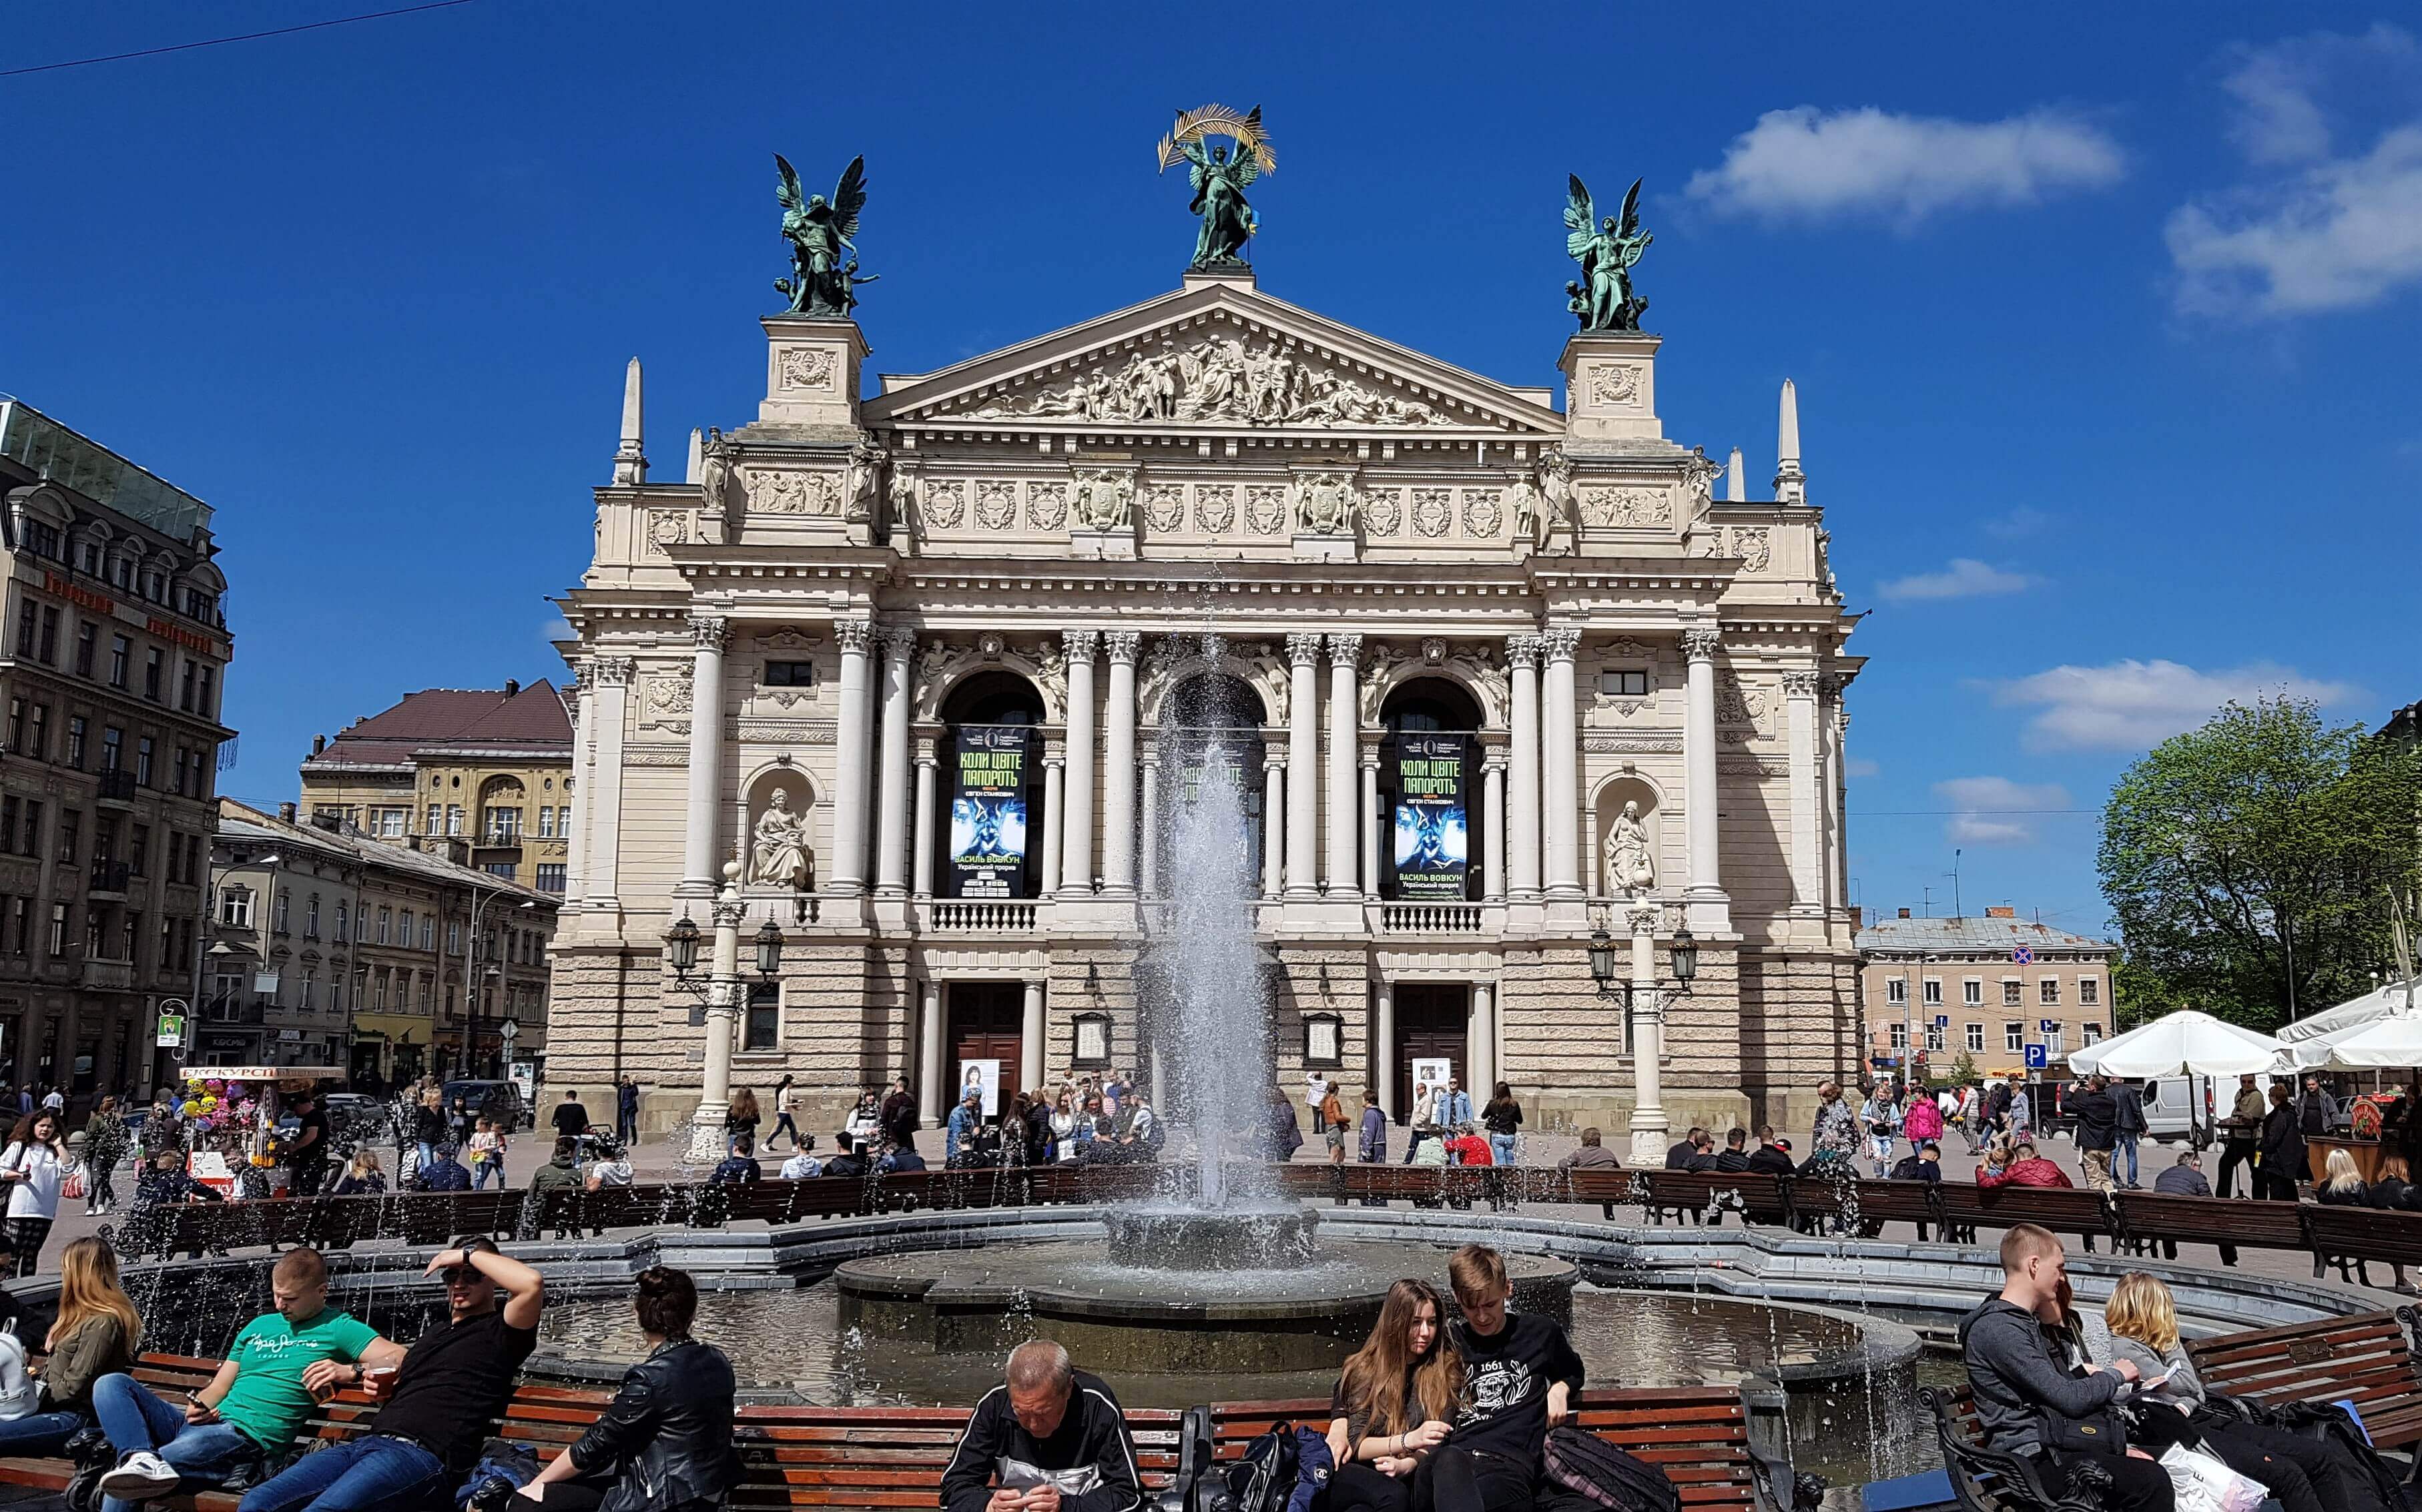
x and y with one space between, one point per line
1219 380
1324 504
1104 499
786 492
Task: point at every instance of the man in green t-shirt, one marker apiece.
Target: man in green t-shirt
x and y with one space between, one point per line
280 1367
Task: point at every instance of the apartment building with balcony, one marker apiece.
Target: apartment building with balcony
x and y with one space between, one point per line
481 775
330 947
1987 988
112 663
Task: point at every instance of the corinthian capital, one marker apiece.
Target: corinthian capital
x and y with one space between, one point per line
1345 651
710 632
1303 649
1522 650
1800 685
854 636
614 671
1560 643
1702 645
1122 645
1082 645
899 641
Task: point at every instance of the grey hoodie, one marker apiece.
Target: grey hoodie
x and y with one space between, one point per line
2017 1377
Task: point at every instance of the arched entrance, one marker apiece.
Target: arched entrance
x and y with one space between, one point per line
1431 819
992 776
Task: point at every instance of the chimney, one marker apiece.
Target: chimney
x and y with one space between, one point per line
2000 913
318 744
1904 913
512 685
1858 918
285 811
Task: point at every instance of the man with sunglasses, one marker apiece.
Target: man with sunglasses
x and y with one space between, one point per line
436 1409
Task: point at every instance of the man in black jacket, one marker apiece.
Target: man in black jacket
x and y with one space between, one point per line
1695 1152
2130 1099
1046 1416
2098 1129
1773 1155
2032 1401
1735 1158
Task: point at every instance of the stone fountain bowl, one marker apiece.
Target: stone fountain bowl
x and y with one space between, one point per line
1185 1238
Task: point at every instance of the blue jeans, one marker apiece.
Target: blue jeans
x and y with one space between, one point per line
135 1418
1501 1148
486 1169
41 1435
364 1474
2128 1148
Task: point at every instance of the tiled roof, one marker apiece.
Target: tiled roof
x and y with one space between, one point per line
531 720
1970 933
241 823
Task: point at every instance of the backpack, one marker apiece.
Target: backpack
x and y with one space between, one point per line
1264 1479
1589 1466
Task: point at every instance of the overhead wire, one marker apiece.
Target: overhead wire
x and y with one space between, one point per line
222 42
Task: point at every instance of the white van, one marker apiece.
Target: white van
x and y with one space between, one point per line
2166 1103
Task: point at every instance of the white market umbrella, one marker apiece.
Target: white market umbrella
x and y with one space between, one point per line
2386 1042
2376 1003
2184 1043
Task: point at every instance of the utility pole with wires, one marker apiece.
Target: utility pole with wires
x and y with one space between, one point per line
1954 875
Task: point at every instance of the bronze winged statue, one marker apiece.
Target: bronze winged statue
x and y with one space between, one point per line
1605 250
823 259
1219 178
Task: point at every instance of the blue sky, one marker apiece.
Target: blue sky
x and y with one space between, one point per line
2102 317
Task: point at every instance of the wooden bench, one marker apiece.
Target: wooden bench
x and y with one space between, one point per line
2366 1358
1992 1480
1694 1196
2148 1218
2061 1209
1698 1436
893 1457
2347 1236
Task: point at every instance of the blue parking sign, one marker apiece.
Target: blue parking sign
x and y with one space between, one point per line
2035 1061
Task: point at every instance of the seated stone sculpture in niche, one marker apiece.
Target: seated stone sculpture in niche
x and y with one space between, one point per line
1629 866
778 852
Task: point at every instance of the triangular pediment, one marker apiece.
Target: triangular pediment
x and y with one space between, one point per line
1217 355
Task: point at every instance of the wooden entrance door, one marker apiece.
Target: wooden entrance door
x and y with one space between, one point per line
987 1022
1431 1021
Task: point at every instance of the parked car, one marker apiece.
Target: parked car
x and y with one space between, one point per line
500 1100
355 1119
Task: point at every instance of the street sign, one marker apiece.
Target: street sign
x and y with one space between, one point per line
171 1031
2022 956
1943 1020
2035 1061
2050 1026
509 1031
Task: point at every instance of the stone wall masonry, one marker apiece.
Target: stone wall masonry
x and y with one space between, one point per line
1800 1026
1111 990
1299 990
1563 1044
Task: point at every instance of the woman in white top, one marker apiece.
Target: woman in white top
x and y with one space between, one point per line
1063 1126
34 1165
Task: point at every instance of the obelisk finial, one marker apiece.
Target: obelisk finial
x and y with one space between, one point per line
1736 480
1790 484
630 462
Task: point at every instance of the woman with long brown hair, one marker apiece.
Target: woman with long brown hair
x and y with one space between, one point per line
1393 1402
96 1335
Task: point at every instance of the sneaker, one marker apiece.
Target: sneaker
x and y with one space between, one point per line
139 1477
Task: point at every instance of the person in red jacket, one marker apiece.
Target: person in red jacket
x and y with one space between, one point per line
2026 1169
1468 1148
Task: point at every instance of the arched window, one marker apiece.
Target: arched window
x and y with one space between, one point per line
993 771
500 811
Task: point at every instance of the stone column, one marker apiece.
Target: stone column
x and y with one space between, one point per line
724 995
891 802
1383 1045
932 1090
1029 1043
576 871
1345 721
848 870
1492 808
1148 881
1369 849
1807 862
1522 799
605 853
1648 1125
1560 740
1699 648
1119 766
920 843
1076 833
1838 790
1273 823
1054 796
1480 1044
709 634
1303 766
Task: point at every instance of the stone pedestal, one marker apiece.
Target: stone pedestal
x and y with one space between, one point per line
1611 386
1341 546
812 371
1103 546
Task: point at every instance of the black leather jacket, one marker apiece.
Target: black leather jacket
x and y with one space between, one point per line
667 1436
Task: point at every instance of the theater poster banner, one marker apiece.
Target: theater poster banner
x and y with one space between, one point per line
1432 833
988 813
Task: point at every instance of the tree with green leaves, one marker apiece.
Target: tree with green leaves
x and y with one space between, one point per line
2249 864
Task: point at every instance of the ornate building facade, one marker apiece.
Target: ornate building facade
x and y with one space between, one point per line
1499 675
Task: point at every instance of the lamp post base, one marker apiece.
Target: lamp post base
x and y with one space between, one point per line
709 1137
1650 1139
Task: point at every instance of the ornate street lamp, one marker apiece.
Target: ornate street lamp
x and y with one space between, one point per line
1686 957
769 948
681 947
1601 959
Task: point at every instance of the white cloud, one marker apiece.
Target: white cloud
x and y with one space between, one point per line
2130 706
1994 811
1966 577
1809 164
2319 232
1856 766
555 628
2017 525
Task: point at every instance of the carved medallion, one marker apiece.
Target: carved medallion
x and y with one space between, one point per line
996 505
665 528
1751 545
1385 512
1614 383
946 504
1215 507
1431 511
807 368
1265 508
1047 505
1482 513
1740 709
1164 507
